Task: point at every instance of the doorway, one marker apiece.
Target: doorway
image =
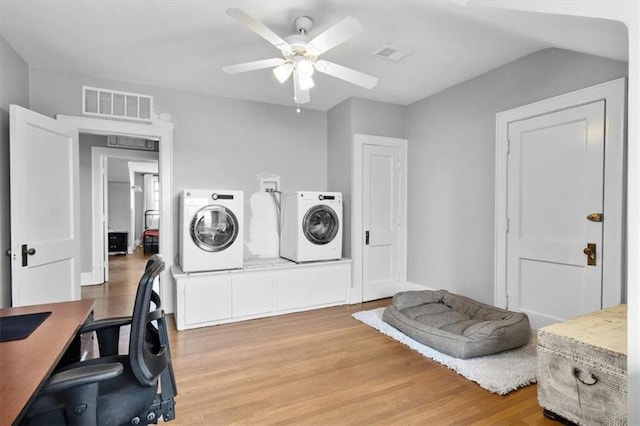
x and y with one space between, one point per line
379 217
117 228
557 160
162 132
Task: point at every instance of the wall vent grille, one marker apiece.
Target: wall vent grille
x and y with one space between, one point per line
390 53
111 103
131 143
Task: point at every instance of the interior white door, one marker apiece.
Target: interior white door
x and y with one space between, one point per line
104 215
381 200
555 181
45 263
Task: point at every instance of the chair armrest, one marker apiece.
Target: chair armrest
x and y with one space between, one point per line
82 375
108 333
101 324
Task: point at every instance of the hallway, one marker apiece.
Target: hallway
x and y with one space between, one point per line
115 297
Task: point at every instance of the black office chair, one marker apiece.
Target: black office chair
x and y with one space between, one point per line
116 389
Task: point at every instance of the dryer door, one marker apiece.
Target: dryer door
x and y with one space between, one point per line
320 224
214 228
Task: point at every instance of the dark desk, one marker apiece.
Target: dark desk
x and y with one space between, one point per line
26 364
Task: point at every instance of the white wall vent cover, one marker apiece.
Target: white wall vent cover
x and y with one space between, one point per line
390 53
111 103
131 143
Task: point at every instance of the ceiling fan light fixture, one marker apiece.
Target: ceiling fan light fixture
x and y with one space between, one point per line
306 83
304 67
283 72
300 55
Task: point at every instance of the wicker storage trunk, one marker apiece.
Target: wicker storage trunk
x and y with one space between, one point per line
582 368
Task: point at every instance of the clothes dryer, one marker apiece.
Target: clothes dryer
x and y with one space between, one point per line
211 235
311 226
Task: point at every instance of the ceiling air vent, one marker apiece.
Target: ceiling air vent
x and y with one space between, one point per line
111 103
390 53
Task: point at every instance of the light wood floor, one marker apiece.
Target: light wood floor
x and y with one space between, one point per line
313 368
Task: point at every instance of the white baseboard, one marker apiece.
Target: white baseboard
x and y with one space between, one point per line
87 278
409 286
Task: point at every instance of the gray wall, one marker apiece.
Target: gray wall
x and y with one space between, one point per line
356 115
451 164
219 143
119 208
226 143
14 89
339 153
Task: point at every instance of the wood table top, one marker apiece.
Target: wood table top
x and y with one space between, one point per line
27 363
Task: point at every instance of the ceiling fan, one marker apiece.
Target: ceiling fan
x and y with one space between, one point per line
300 55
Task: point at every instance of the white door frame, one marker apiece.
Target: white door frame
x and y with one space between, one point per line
143 168
359 141
162 132
613 259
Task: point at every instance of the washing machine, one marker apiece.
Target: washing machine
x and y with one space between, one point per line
211 236
311 226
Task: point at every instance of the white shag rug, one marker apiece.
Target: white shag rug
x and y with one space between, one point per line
500 373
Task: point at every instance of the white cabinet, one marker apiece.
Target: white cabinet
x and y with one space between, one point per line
208 298
204 299
311 286
252 294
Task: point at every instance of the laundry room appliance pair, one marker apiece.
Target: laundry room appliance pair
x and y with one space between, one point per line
311 226
211 230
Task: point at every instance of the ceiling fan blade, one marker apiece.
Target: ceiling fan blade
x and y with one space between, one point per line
352 76
337 34
300 96
259 28
255 65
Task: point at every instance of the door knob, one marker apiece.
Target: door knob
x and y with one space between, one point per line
590 251
595 217
27 252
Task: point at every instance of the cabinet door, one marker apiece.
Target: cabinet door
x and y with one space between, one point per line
207 299
333 284
320 285
252 294
294 288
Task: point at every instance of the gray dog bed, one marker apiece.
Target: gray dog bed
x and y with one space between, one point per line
456 325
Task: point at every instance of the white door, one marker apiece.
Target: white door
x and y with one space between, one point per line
104 215
45 263
381 201
555 192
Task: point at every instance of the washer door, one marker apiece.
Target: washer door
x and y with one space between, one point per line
214 228
320 224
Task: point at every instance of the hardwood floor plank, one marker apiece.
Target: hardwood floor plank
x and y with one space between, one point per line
320 367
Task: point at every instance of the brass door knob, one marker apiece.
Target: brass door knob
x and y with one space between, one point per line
595 217
590 251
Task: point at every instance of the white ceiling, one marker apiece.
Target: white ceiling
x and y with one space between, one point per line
184 44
